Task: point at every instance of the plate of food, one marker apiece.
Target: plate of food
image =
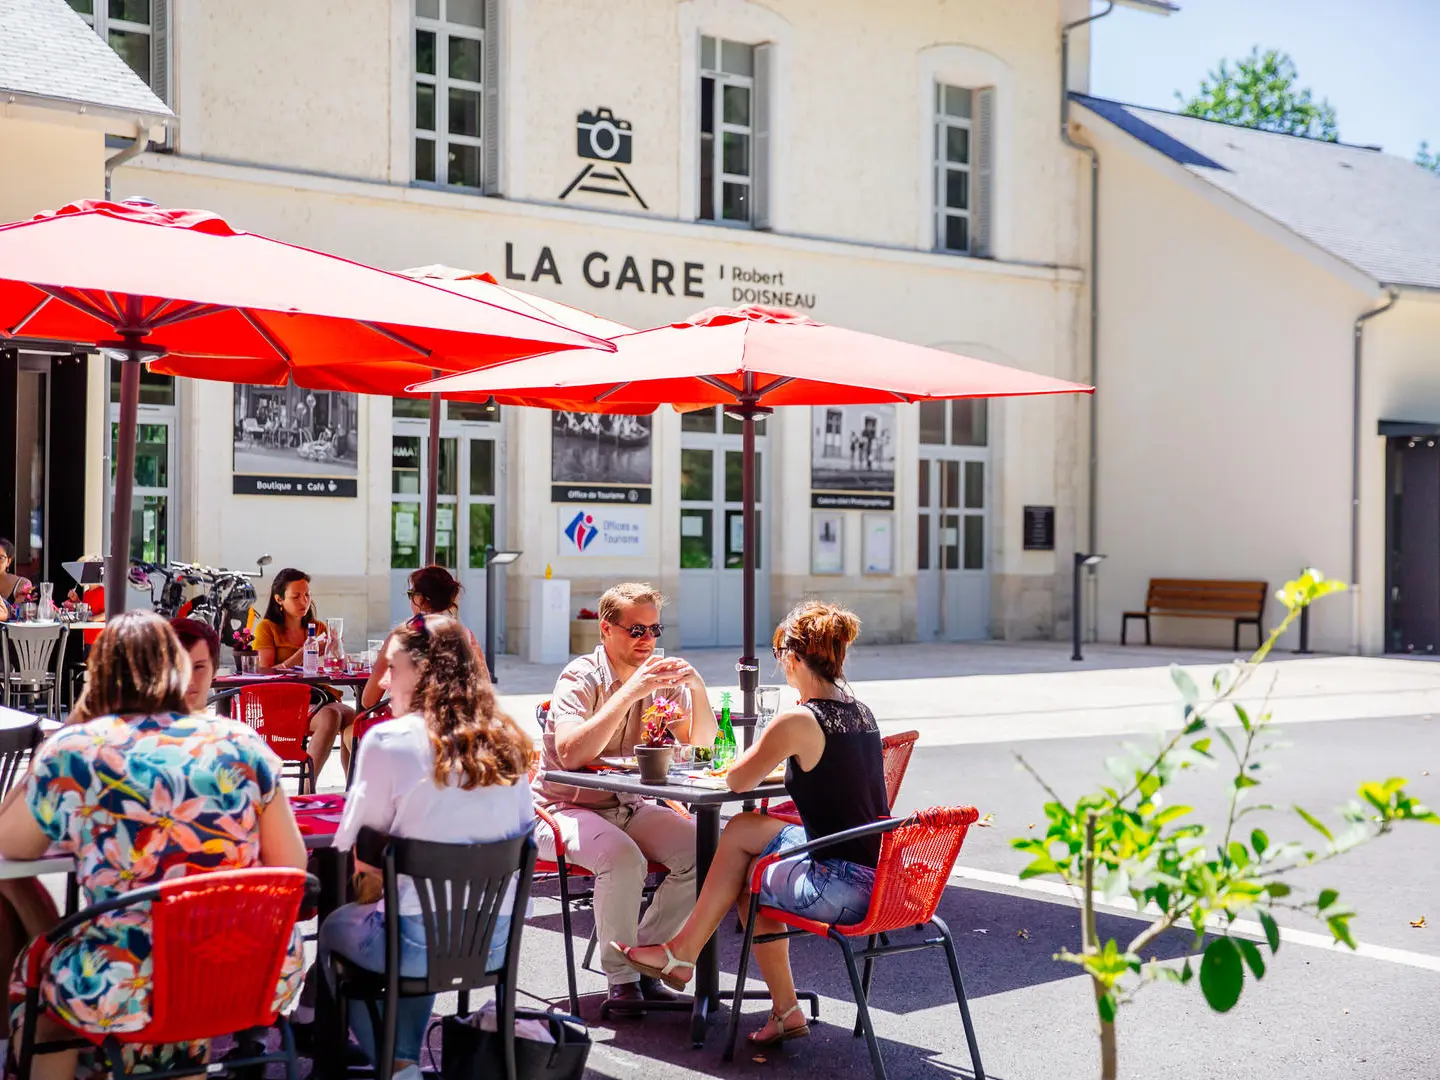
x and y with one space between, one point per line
625 764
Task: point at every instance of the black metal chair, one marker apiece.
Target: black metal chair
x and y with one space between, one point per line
16 745
461 888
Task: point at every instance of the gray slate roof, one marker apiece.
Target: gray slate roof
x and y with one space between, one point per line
48 51
1375 211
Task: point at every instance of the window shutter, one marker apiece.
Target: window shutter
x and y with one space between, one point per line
160 49
491 133
762 104
982 214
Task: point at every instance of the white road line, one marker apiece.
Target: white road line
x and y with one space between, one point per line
1307 938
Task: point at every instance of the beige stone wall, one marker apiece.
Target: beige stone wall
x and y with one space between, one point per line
46 165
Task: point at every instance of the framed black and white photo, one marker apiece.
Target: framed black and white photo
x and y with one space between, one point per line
827 542
600 457
293 441
852 457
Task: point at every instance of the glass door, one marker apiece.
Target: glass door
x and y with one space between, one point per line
466 510
711 531
153 510
952 526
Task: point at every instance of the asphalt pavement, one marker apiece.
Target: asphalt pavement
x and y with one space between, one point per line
1318 1013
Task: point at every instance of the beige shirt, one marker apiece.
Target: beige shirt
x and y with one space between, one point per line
582 690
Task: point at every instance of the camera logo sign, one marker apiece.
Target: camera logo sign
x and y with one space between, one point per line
605 143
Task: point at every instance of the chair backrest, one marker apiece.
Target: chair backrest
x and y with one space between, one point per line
376 714
461 888
916 858
16 743
896 750
220 940
280 712
30 657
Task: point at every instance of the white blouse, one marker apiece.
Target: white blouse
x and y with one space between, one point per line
395 792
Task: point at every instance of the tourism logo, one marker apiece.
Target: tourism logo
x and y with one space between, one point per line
582 531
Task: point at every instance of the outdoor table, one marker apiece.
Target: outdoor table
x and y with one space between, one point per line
354 679
705 802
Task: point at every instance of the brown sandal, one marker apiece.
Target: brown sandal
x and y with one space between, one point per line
783 1034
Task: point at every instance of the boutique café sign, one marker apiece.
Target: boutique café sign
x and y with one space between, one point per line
719 283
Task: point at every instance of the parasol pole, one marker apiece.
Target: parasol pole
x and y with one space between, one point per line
118 572
748 667
432 479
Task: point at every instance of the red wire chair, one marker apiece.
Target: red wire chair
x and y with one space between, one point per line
917 854
281 712
897 750
220 940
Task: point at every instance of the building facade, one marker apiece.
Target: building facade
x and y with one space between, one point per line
644 163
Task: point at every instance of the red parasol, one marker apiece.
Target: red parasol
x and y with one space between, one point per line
196 297
749 360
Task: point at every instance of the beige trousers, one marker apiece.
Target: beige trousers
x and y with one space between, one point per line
617 845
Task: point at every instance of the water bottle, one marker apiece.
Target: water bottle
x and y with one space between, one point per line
311 655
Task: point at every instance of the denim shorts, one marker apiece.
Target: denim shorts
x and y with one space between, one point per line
833 891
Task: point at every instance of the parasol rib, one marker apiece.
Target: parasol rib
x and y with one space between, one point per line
33 312
399 339
185 313
264 332
80 302
721 385
613 390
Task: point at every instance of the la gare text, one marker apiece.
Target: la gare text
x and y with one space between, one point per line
600 271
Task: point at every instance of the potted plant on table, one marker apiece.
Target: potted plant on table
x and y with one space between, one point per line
657 750
247 660
23 601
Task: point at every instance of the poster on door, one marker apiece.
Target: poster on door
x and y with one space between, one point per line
600 458
852 457
293 441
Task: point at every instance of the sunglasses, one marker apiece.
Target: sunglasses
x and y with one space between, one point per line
639 630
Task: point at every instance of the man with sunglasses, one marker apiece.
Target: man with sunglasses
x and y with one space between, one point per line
596 712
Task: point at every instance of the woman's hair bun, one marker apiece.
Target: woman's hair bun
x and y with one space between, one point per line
819 634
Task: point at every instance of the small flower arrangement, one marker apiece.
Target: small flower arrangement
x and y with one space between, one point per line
244 639
24 593
586 613
657 720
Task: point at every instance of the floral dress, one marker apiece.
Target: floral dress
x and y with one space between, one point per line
138 800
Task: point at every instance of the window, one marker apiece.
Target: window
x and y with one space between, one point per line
962 422
138 30
963 167
734 132
456 105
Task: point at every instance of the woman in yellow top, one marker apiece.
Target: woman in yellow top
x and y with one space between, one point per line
280 636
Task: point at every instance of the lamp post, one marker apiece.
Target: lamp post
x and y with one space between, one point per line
1077 602
493 559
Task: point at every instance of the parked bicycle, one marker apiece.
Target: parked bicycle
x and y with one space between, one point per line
224 601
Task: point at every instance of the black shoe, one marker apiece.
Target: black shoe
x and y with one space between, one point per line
652 989
624 999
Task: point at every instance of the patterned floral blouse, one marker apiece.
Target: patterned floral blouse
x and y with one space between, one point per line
138 801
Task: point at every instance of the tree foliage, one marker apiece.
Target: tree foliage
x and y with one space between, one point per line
1126 843
1260 92
1426 160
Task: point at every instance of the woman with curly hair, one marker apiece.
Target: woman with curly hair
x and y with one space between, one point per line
451 768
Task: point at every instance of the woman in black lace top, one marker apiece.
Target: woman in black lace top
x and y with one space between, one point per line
834 772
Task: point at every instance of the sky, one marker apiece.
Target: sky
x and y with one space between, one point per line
1377 61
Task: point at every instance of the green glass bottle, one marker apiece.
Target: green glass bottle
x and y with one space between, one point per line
724 752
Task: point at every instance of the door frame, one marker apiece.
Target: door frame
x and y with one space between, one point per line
472 579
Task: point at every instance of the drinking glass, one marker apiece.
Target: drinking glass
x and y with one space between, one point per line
373 648
683 759
767 704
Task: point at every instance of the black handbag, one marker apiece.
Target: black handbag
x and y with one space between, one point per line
468 1053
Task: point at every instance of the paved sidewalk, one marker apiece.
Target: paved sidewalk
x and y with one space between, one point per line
1002 691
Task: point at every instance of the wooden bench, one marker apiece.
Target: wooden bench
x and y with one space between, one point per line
1187 598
